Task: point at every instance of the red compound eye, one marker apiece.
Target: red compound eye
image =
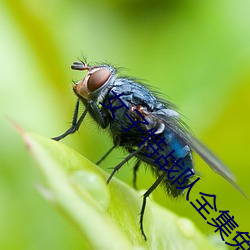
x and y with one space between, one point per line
97 79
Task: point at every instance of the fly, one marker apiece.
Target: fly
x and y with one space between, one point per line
139 121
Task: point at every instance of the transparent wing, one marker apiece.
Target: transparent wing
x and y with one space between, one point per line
175 124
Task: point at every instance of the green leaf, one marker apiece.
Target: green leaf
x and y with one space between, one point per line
107 215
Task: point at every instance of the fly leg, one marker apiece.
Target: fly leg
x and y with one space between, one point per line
100 117
105 155
145 196
75 124
123 162
135 169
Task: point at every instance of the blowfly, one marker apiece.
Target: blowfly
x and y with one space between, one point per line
148 127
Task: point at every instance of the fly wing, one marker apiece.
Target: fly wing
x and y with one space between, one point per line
174 123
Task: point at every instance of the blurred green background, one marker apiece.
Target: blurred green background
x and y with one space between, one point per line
195 52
